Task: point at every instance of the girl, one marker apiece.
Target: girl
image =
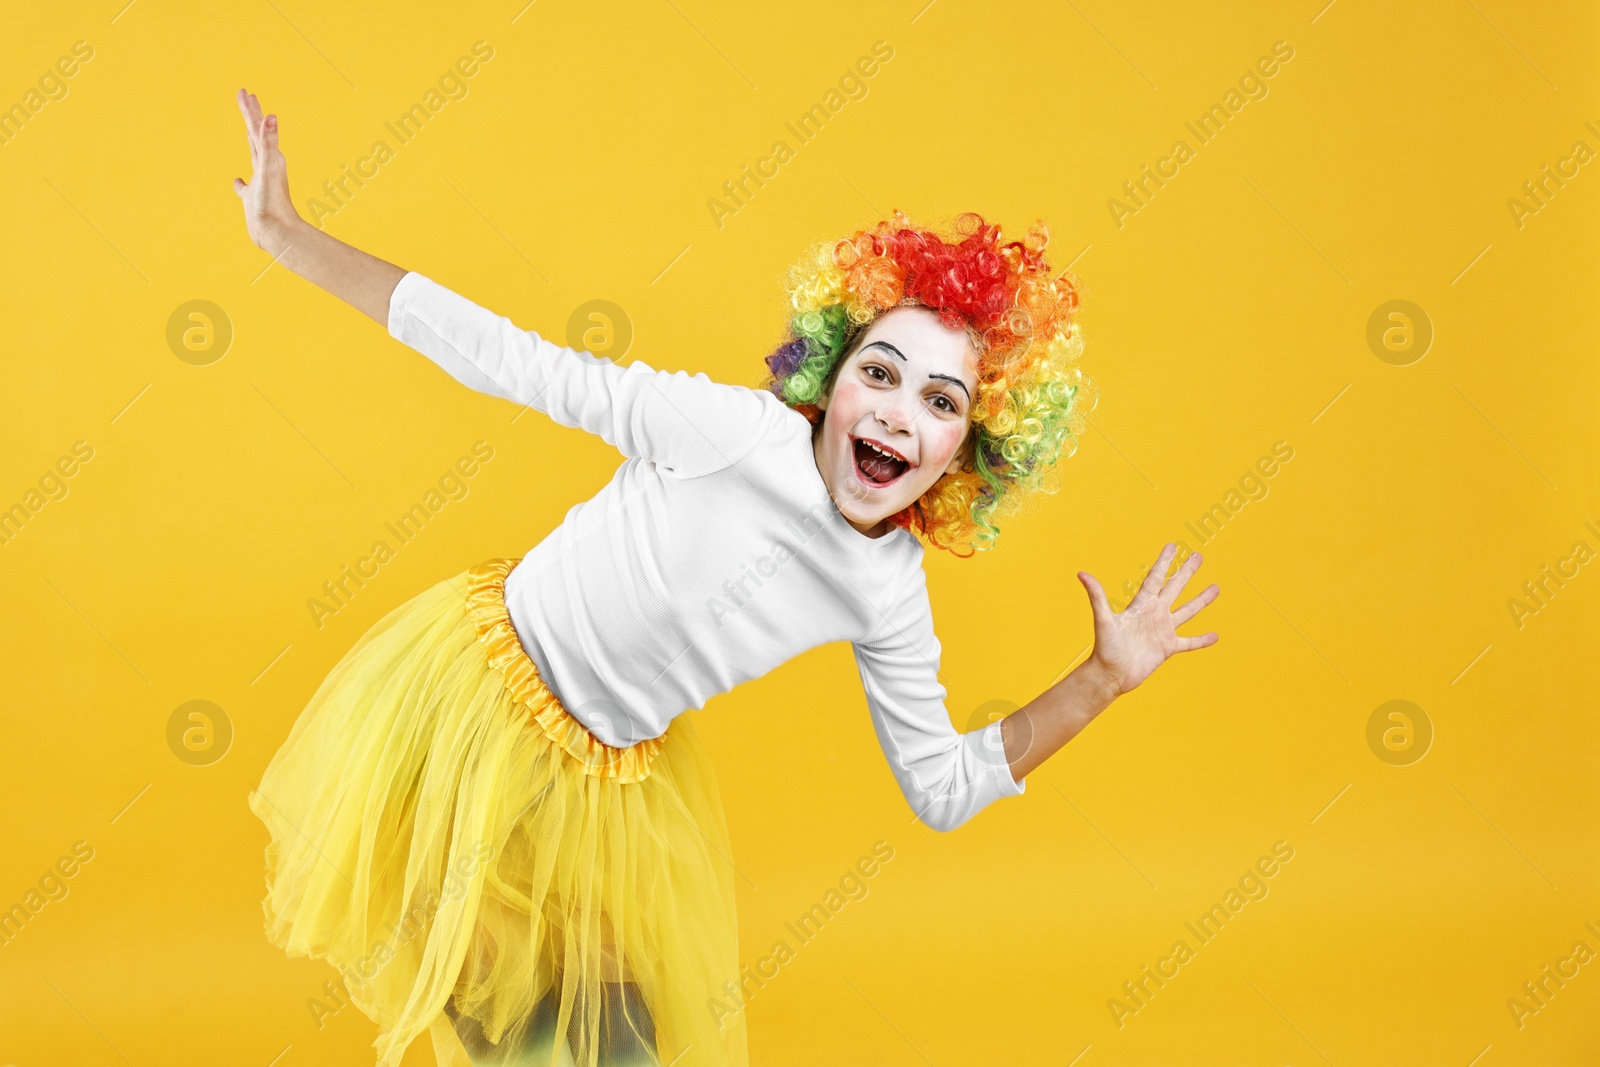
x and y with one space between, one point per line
490 816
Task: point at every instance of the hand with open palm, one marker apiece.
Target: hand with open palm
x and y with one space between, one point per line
269 213
363 281
1129 646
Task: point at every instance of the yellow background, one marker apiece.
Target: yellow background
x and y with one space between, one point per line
1229 313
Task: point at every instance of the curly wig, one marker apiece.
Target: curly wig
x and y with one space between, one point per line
1032 397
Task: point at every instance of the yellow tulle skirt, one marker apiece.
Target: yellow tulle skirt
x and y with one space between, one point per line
478 866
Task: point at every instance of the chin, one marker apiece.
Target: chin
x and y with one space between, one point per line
866 520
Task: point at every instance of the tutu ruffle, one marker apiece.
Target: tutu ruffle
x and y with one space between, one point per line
478 865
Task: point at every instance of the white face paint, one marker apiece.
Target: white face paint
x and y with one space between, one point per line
896 417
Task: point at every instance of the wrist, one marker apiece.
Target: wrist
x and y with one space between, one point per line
279 234
1100 680
1058 715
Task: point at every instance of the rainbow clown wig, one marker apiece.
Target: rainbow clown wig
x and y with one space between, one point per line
1032 398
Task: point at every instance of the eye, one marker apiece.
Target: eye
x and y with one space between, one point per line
869 368
949 405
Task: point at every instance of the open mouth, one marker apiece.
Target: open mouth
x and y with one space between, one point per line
877 466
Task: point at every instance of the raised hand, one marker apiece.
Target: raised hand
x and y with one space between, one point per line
1129 646
363 281
269 214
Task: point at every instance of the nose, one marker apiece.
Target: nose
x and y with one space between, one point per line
894 413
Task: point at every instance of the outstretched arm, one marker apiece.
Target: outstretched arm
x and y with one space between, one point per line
1128 647
362 281
684 423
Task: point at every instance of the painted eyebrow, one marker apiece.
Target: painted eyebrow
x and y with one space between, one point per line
957 381
890 347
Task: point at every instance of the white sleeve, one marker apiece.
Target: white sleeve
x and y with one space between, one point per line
947 776
685 423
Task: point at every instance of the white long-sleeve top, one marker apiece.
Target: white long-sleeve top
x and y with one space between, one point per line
714 554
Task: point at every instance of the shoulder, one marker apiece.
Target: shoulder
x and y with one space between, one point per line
774 412
715 424
739 403
904 559
778 431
